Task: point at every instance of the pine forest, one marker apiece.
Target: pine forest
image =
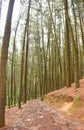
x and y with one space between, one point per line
41 49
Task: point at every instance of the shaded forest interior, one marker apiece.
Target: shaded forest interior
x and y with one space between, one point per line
41 50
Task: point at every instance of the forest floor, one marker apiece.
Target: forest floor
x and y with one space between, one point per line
68 100
61 110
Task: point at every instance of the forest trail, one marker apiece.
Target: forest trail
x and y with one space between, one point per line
66 107
37 115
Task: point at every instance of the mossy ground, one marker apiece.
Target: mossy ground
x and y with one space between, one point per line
58 101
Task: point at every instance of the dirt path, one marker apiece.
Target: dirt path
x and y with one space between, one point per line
66 107
37 115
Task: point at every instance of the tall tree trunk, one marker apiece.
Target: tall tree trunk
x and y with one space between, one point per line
4 57
57 58
82 37
75 49
12 65
22 58
67 50
14 87
22 70
27 50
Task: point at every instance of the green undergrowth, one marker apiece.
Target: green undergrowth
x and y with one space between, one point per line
57 101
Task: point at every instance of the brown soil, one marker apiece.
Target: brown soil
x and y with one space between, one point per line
69 95
37 115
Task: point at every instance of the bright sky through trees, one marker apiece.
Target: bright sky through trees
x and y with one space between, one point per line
4 13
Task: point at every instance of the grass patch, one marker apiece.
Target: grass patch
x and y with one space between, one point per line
58 101
76 104
46 99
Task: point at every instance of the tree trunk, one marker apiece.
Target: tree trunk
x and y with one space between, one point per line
76 63
67 50
4 57
27 50
22 83
12 64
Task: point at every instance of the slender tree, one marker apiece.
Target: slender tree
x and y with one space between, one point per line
67 50
27 51
3 62
12 64
22 81
75 49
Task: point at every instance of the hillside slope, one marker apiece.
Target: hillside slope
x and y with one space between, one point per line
68 100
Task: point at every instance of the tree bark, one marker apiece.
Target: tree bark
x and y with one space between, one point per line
27 50
23 64
4 57
75 49
67 50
